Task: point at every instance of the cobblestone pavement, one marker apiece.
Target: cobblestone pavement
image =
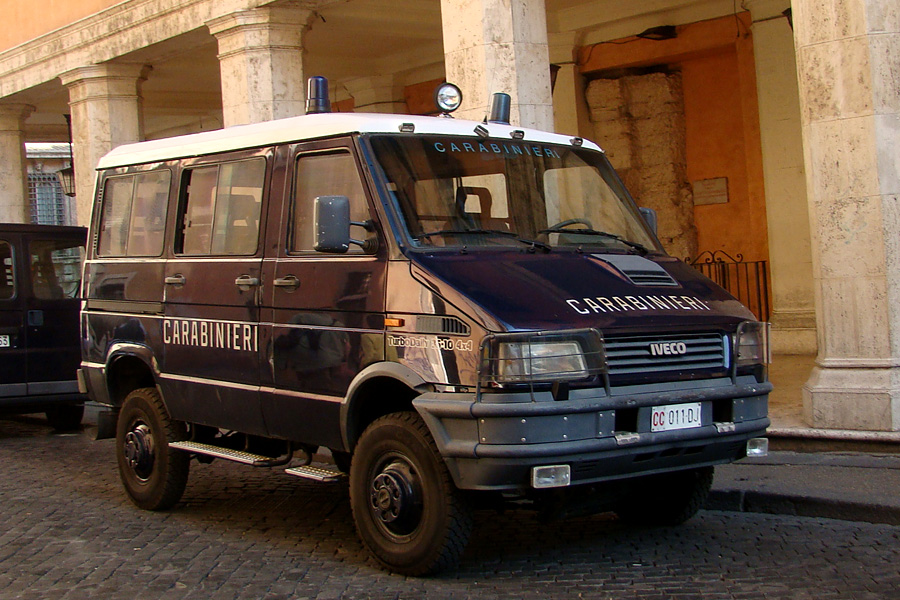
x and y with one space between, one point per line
68 531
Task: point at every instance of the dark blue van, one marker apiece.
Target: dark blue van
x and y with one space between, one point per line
39 321
460 312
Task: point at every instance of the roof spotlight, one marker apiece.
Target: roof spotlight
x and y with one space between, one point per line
448 97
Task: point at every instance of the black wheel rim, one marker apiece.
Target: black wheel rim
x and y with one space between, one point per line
139 450
395 496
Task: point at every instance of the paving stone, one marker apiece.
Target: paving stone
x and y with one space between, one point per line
68 532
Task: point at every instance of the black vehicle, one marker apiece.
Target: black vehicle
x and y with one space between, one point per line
39 321
460 312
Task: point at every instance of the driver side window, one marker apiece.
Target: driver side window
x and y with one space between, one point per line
332 174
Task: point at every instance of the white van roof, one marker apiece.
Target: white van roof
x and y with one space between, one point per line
309 127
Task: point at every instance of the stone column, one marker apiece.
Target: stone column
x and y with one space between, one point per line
376 94
499 46
14 206
261 63
105 102
571 115
790 256
848 56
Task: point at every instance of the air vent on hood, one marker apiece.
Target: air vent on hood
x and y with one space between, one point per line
447 325
639 270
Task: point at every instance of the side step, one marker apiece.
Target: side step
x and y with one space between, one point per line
315 473
256 460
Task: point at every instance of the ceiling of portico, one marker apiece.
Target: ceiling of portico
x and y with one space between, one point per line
346 40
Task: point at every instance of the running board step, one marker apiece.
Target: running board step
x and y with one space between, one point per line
256 460
315 473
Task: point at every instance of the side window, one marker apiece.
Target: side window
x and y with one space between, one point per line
221 208
55 268
133 220
324 175
116 212
148 216
8 276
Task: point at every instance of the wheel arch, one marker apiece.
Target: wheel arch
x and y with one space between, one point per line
129 367
378 390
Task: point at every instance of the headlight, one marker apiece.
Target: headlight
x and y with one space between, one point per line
529 361
536 357
751 344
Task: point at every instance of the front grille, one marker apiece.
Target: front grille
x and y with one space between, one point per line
628 355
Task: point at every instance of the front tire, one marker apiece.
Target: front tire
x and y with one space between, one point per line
153 474
66 417
667 499
407 511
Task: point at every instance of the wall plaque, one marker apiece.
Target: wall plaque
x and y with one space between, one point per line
711 191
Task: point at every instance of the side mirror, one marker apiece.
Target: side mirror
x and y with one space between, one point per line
650 217
332 224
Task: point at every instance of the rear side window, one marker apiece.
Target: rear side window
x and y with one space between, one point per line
221 207
133 221
55 268
8 276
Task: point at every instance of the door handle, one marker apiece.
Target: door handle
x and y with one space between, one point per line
246 281
175 279
289 282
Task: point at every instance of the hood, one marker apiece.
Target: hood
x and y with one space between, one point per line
522 291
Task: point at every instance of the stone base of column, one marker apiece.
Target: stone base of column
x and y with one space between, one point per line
863 398
793 332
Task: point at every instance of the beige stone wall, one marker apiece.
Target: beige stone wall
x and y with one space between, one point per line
639 122
499 46
13 188
790 255
849 64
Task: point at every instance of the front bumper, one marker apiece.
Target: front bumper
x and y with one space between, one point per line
494 445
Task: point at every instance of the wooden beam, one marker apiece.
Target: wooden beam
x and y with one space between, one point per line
694 39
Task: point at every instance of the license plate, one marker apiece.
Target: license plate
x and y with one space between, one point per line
4 341
675 416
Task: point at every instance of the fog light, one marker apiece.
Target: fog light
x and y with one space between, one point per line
758 447
550 477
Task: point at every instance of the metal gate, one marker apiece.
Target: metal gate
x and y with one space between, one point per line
748 281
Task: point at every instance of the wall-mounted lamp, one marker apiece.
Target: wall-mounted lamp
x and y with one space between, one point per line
67 176
67 180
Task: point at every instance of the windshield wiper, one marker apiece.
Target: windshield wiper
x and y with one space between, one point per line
512 234
596 232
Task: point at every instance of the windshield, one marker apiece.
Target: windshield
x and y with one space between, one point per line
460 191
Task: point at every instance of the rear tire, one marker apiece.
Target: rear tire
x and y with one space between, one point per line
407 511
667 499
66 417
154 475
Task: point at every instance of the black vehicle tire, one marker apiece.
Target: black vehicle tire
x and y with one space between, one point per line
153 474
342 461
66 417
668 499
407 511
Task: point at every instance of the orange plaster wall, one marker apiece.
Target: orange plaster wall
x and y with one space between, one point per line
722 140
33 18
721 119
